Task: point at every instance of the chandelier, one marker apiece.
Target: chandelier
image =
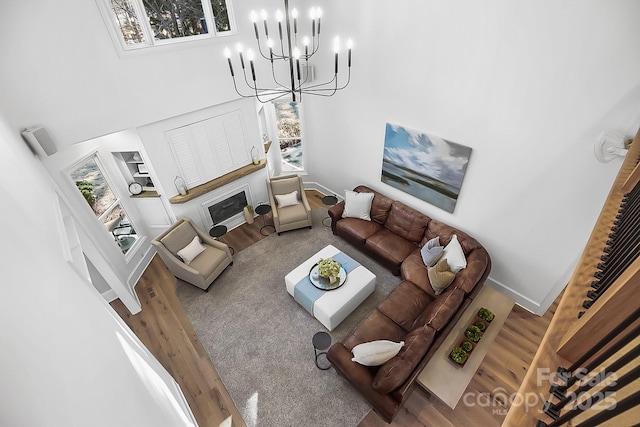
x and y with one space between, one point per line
285 53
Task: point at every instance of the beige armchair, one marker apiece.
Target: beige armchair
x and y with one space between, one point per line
205 267
291 214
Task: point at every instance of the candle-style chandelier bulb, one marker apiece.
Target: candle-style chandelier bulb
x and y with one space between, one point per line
286 57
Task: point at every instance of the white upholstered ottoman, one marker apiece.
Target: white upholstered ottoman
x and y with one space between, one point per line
331 307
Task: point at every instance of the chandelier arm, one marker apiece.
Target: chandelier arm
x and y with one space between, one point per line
273 73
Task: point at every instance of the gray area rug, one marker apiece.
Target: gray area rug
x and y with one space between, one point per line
259 338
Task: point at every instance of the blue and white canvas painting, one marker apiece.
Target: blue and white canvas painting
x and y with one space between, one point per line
425 166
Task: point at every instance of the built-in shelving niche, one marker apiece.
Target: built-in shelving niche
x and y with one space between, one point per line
134 168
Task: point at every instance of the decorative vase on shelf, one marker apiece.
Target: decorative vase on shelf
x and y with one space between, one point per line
181 186
254 155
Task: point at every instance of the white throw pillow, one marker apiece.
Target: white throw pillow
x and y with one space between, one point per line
357 205
285 200
455 255
191 251
375 353
431 252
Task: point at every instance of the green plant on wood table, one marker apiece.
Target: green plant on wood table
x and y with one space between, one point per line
458 355
473 333
466 346
480 325
485 314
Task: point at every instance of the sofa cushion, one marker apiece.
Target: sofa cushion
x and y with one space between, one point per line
431 252
375 353
440 276
454 254
357 205
380 206
439 312
392 374
414 270
357 229
179 237
404 304
376 326
406 222
390 246
477 263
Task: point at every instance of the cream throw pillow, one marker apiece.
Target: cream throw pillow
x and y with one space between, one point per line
455 255
191 251
357 205
440 276
375 353
284 200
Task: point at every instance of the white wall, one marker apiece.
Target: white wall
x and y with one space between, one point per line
153 137
63 363
528 85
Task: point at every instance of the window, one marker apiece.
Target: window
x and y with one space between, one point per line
146 23
287 117
91 182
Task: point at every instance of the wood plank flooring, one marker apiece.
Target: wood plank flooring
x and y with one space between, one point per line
166 331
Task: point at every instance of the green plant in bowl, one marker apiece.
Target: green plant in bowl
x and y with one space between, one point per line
473 333
480 325
486 314
466 346
458 355
327 267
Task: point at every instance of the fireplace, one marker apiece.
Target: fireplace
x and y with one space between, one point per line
227 208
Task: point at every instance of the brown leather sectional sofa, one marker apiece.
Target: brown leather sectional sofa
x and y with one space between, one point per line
412 312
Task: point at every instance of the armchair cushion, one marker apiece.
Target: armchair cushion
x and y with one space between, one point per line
179 237
289 199
191 251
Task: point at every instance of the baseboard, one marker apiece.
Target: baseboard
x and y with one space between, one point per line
109 295
523 301
322 189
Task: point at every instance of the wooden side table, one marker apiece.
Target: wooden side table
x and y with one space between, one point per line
441 377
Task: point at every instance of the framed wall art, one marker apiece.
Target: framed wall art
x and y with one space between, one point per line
423 165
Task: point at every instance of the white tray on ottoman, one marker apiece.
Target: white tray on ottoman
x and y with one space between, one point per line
331 307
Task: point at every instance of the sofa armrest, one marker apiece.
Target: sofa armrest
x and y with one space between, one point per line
335 212
360 377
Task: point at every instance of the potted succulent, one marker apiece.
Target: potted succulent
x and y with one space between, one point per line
458 355
466 346
473 333
329 269
485 314
480 325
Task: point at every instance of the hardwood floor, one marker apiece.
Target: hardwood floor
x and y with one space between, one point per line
167 332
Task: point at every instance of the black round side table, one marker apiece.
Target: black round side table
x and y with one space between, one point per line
262 210
218 231
321 343
328 201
